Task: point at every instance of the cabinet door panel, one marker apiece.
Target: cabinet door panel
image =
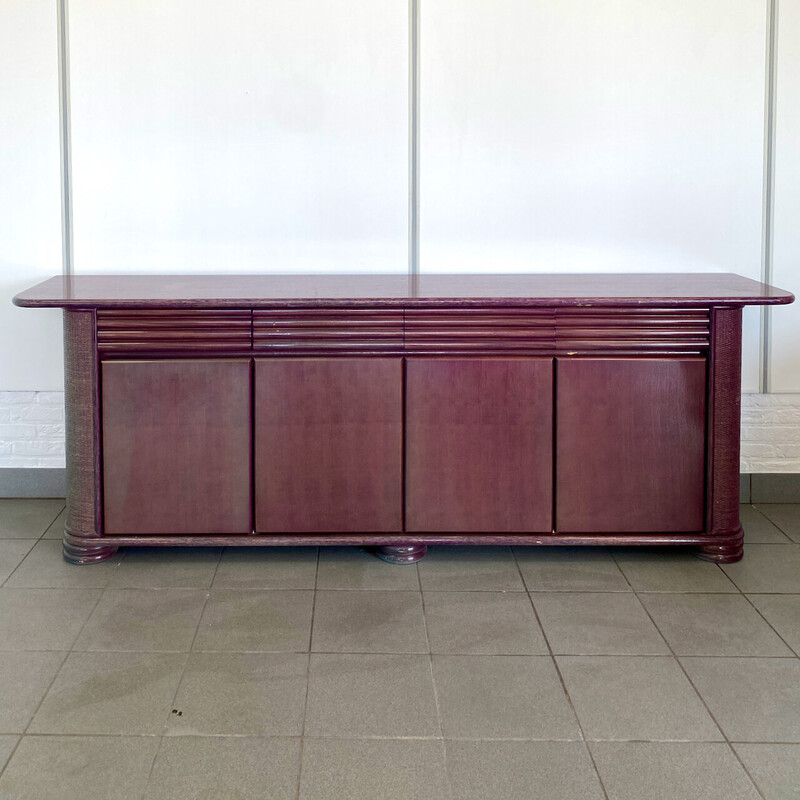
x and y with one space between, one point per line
630 444
328 445
479 445
176 447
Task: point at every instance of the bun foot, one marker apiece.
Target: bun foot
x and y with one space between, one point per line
727 553
87 554
406 554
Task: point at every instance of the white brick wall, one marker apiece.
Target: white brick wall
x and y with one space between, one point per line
770 433
32 431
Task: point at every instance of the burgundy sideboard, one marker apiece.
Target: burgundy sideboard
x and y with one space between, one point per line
396 412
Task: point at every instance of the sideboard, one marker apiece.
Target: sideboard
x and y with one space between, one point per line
397 411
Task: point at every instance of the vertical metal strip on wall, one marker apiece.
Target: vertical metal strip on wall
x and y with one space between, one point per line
768 202
413 139
65 136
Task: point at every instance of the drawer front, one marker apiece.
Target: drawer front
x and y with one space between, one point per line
173 331
327 331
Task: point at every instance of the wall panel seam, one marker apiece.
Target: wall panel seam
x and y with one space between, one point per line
768 197
65 136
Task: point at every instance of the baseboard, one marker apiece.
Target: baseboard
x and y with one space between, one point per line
744 488
27 482
776 487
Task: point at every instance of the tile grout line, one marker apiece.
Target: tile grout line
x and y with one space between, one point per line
790 657
35 541
772 627
183 672
772 522
560 677
67 654
439 722
376 738
691 682
308 678
52 522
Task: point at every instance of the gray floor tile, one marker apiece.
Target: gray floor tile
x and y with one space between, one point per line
585 623
269 621
758 529
240 694
359 769
570 569
27 518
671 770
521 771
12 551
358 568
635 697
370 695
24 681
767 568
7 745
267 568
753 699
110 693
782 611
369 622
775 768
785 516
713 625
502 697
56 529
483 623
78 768
470 569
43 619
167 567
663 570
144 620
200 768
44 567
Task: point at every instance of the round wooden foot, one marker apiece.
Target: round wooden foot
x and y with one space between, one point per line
723 553
406 554
87 554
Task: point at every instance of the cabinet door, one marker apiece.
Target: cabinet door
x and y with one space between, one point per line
479 444
630 444
328 445
176 447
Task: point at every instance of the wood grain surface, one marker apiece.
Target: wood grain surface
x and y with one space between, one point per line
479 438
176 447
328 439
630 444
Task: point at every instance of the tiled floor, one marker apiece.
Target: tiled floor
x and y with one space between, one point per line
494 674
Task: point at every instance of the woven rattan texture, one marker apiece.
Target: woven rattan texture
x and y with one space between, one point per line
80 385
726 371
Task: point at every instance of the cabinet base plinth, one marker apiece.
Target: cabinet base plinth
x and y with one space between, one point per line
87 554
407 554
727 553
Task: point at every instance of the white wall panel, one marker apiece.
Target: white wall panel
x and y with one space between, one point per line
30 210
785 342
238 136
593 135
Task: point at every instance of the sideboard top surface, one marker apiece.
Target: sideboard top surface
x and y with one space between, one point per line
399 290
